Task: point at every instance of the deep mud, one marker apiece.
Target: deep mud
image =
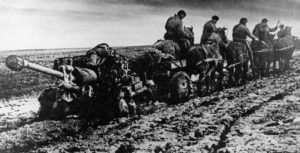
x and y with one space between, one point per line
261 116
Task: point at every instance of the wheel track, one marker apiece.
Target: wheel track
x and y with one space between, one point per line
287 90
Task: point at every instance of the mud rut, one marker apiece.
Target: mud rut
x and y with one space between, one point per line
261 116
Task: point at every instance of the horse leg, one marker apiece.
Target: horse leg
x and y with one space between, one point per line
263 63
231 75
220 77
237 74
274 65
267 67
212 82
207 84
245 71
281 65
287 63
255 70
200 86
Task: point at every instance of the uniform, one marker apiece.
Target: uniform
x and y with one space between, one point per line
175 28
208 29
281 33
240 34
95 55
176 32
262 30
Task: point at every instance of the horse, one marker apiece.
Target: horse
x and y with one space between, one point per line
284 48
146 63
207 59
263 56
237 62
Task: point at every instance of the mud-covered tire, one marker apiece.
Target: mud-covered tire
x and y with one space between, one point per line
52 107
180 87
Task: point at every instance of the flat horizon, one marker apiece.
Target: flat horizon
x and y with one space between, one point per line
46 24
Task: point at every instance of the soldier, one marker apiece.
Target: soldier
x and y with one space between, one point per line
95 55
175 29
282 32
262 30
240 34
91 71
208 28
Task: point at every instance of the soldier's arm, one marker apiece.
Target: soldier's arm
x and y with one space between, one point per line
214 28
249 34
273 29
180 29
254 30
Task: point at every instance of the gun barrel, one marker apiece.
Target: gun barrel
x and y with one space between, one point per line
17 63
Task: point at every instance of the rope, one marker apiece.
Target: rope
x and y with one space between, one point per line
235 64
285 48
211 70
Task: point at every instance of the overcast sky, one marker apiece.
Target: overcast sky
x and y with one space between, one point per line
32 24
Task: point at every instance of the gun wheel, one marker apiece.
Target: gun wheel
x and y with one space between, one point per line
181 87
51 106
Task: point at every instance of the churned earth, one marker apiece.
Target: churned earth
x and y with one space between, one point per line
260 116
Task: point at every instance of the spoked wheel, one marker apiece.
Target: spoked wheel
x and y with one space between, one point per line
52 107
180 87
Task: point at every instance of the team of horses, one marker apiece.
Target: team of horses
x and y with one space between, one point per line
208 61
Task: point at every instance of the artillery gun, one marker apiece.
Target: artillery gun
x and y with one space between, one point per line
112 88
105 91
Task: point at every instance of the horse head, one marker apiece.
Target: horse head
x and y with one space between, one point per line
189 31
222 33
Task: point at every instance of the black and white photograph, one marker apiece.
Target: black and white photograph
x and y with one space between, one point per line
149 76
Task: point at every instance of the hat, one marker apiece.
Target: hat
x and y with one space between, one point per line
181 12
281 26
264 20
243 20
215 18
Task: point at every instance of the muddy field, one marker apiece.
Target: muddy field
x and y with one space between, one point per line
261 116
